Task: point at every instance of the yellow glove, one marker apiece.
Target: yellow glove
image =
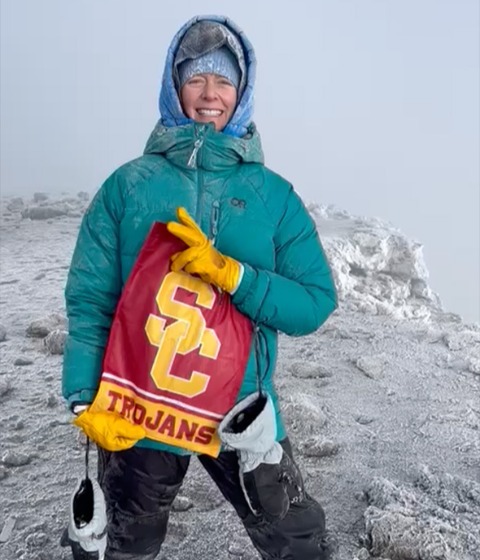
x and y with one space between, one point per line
109 430
201 257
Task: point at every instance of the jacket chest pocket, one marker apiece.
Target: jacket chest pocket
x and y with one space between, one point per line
247 237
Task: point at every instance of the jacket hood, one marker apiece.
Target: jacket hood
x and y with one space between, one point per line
169 103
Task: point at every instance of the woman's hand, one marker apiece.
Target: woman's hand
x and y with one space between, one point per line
109 430
201 257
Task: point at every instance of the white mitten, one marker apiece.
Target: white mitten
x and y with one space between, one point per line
270 479
87 527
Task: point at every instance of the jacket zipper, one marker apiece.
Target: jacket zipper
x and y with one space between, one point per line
193 163
192 160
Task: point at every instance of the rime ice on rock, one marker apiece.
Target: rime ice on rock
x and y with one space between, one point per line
16 204
5 387
43 208
40 328
376 268
435 519
40 197
55 341
299 407
305 370
372 366
15 459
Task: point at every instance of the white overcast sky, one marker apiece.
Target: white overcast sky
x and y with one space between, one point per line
371 105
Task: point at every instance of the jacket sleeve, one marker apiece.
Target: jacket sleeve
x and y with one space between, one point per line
92 292
300 294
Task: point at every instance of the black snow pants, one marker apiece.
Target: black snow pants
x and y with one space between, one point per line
141 484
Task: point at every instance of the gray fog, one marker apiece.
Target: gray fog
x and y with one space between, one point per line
370 105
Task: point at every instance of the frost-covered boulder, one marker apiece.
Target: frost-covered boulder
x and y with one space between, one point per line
302 413
55 341
40 197
3 333
434 519
376 268
5 386
16 204
46 208
40 328
43 212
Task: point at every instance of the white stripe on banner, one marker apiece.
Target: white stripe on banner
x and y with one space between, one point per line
144 393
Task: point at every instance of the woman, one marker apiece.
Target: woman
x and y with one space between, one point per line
248 234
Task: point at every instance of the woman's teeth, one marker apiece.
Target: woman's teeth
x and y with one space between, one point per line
209 112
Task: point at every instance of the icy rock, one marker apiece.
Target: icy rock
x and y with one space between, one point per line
372 366
43 212
377 269
40 276
434 519
302 414
3 333
40 197
177 530
236 548
54 342
360 496
182 503
16 205
5 386
362 554
37 555
462 340
315 447
364 419
36 540
83 196
305 370
13 459
41 328
474 366
3 473
52 401
22 361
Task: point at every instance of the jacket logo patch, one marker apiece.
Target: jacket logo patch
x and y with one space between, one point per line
238 203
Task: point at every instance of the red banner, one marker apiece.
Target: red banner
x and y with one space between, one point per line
177 351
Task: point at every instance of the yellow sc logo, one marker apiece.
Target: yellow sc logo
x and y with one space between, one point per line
188 333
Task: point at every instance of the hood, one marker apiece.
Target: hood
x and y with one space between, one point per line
169 103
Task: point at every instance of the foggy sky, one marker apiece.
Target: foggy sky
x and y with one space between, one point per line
371 105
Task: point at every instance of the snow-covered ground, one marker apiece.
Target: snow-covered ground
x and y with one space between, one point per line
382 403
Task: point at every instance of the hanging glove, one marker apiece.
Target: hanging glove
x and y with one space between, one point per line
109 430
201 257
269 478
86 533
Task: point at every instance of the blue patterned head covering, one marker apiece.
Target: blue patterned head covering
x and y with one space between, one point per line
221 62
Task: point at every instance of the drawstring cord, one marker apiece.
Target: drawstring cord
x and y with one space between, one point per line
257 333
87 450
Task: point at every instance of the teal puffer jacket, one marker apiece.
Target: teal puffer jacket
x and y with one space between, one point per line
251 214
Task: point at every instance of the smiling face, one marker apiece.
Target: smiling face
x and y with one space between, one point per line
209 98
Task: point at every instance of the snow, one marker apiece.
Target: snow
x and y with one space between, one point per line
382 403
